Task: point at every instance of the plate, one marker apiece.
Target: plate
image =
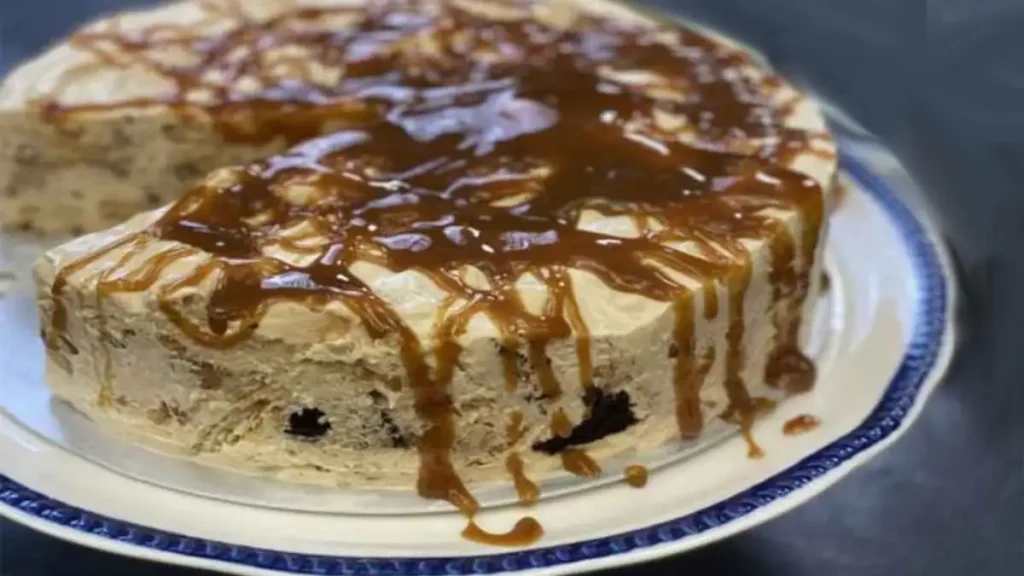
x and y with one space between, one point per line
884 337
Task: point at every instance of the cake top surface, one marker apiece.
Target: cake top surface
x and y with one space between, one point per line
448 150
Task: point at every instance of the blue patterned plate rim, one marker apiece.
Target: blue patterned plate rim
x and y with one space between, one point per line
894 406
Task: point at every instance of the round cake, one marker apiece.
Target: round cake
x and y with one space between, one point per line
417 243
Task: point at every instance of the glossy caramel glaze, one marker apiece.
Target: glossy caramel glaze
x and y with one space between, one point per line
514 428
526 531
801 424
526 489
745 420
579 463
636 475
451 140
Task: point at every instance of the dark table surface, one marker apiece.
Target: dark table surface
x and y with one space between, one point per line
942 82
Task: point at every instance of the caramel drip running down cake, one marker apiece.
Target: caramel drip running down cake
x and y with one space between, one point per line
417 243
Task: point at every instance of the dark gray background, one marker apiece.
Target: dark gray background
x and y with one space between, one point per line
942 82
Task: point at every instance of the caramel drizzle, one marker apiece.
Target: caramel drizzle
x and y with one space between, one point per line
438 162
526 489
745 418
787 367
526 531
514 429
560 425
636 475
690 370
579 463
574 460
800 424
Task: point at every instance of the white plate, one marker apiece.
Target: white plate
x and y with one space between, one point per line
884 338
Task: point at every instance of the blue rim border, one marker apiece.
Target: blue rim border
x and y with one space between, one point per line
922 352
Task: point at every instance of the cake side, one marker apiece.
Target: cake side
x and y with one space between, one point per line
311 396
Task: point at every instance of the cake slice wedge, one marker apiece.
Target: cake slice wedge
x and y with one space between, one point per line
100 127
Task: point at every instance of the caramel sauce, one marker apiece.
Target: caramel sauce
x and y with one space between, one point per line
788 368
526 489
525 532
690 372
578 463
636 476
801 424
514 429
745 418
560 424
484 152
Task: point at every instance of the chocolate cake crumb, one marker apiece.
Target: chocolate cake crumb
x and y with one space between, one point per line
398 440
394 433
607 413
673 350
308 423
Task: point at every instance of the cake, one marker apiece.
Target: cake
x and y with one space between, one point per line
418 243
